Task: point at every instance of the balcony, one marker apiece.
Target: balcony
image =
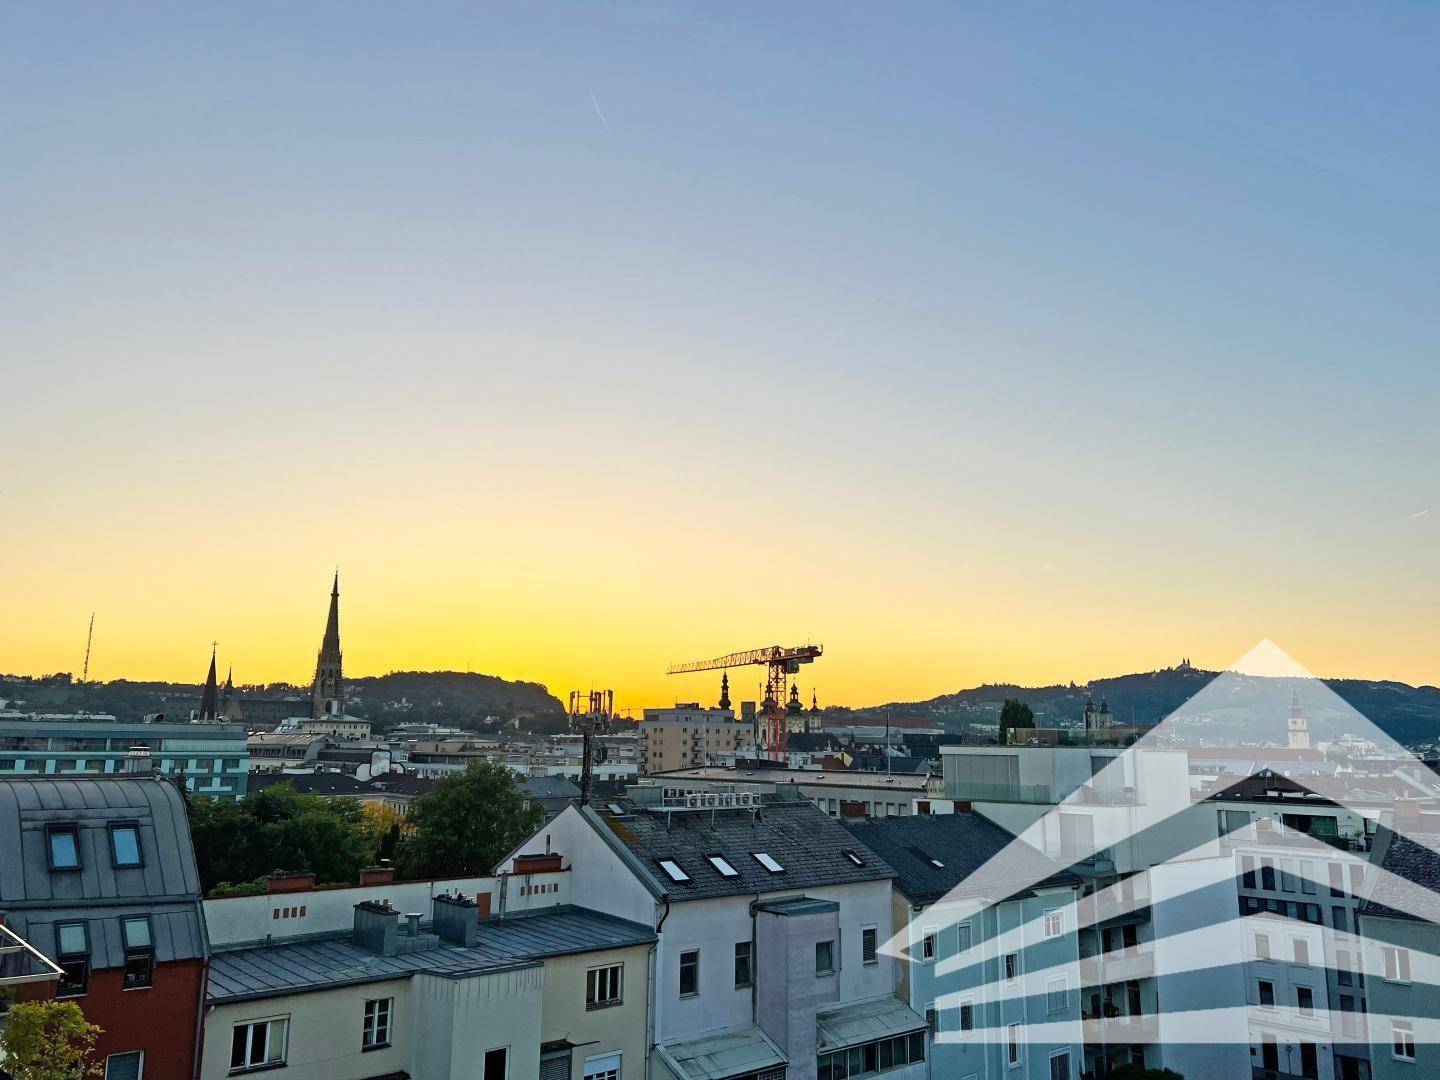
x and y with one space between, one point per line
20 963
1121 966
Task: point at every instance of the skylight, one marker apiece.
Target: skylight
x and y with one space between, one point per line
768 863
721 864
854 858
672 870
935 862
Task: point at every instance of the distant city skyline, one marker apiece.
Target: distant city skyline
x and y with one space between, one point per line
1020 343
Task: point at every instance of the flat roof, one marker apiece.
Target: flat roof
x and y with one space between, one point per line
812 777
254 972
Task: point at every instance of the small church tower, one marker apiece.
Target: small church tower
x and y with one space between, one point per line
329 695
1297 727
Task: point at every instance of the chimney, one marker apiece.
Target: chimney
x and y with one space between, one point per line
138 762
377 927
377 875
537 864
282 882
456 919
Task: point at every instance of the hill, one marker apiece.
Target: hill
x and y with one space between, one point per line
1408 714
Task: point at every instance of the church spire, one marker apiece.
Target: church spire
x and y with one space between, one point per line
210 698
328 697
724 690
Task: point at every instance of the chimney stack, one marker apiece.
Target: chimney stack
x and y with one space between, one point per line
456 919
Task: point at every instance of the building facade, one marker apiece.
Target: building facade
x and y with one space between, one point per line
690 735
100 877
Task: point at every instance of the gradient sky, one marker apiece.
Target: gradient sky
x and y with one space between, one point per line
980 343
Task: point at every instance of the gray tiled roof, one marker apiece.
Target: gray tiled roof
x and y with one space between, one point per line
1411 862
166 887
963 842
797 835
258 972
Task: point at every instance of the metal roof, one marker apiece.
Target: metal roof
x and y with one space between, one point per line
716 1057
865 1021
961 843
166 887
515 941
907 782
806 843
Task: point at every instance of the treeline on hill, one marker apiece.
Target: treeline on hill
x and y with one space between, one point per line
1406 713
458 698
461 698
466 825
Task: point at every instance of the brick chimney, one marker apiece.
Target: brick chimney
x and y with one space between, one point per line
282 882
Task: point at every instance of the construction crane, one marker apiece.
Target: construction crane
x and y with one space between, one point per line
590 714
781 663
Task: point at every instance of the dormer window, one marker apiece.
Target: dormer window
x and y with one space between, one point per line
63 846
139 952
673 871
125 845
722 866
72 952
768 863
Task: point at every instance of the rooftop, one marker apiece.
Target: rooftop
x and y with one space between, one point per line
934 854
246 974
1411 861
813 777
775 847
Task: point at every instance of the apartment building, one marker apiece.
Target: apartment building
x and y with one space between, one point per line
1400 924
691 735
1159 937
837 792
339 725
212 758
99 876
982 970
769 916
490 978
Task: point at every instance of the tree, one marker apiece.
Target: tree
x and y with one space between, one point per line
467 824
278 829
48 1040
1014 714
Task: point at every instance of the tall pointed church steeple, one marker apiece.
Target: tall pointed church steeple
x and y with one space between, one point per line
328 695
210 698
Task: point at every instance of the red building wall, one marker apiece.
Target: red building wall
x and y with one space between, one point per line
159 1019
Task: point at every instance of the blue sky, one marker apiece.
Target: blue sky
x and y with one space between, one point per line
1001 315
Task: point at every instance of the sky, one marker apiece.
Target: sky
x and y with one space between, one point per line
978 343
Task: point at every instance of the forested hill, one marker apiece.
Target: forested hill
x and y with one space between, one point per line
460 698
1407 713
456 698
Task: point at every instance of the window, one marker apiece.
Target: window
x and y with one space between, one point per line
967 1015
1267 994
125 845
932 1020
1054 923
258 1043
1247 871
1012 966
1402 1040
867 945
1397 963
1309 1061
927 944
1060 1065
1302 950
824 958
1337 880
768 863
1269 1052
126 1066
1267 875
863 1060
72 952
603 1067
673 871
744 964
722 866
603 986
63 842
1343 971
139 952
377 1023
497 1063
1012 1045
690 973
1262 946
1057 991
854 858
1305 1000
1337 916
